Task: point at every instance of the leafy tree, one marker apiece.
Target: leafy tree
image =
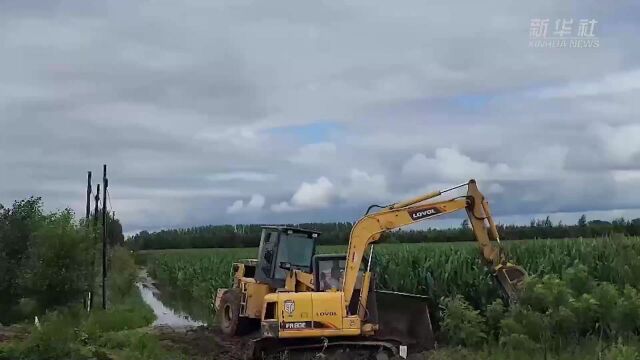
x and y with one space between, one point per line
229 236
58 270
45 259
582 222
17 225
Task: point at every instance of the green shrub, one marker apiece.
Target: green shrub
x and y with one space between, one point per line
132 315
495 314
543 295
585 310
606 296
524 321
627 312
578 279
462 324
123 274
519 343
620 351
56 339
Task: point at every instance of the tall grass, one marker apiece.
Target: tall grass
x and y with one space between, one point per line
427 269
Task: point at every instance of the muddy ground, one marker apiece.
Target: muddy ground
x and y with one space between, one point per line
13 333
202 342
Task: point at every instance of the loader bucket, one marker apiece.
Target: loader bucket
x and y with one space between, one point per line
403 318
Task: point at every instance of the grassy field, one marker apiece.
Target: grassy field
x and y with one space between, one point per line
323 249
433 269
572 281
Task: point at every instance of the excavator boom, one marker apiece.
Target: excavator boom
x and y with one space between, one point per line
368 229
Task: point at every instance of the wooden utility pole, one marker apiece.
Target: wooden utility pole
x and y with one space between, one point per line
105 183
95 210
87 301
93 257
86 216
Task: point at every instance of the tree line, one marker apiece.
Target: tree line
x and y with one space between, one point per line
230 236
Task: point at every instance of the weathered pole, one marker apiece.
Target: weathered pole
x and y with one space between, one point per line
105 183
88 210
95 210
87 301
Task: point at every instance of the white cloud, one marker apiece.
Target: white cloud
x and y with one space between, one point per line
621 143
358 186
362 186
236 207
627 176
242 176
450 165
283 206
255 204
315 154
610 84
314 195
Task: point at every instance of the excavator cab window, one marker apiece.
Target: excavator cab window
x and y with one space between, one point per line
329 272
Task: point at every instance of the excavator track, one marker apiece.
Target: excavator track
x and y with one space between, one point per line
323 348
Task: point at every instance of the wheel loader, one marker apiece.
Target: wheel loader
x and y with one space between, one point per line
308 305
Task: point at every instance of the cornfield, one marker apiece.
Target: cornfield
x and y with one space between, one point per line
435 270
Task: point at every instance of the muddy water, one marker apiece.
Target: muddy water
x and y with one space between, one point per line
171 309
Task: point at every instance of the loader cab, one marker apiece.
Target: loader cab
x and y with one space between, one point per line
282 249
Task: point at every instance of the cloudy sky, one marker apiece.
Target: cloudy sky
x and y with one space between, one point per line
213 112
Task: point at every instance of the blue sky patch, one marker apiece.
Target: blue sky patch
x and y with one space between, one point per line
470 102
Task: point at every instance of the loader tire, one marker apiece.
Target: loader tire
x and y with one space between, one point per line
231 323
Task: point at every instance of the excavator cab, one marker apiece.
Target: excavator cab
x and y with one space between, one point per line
328 271
283 249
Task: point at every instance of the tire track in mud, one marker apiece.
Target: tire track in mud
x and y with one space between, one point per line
203 342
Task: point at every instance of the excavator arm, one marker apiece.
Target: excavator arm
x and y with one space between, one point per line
369 228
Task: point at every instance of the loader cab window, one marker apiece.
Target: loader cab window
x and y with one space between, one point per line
282 249
267 252
296 249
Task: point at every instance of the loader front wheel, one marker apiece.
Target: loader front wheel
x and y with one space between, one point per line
231 323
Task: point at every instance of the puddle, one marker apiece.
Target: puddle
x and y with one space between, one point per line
166 315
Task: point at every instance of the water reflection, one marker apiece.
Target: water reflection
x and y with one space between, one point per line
170 308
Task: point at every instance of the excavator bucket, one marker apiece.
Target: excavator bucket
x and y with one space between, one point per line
402 318
511 279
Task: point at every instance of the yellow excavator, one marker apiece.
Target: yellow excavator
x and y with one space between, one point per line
308 305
